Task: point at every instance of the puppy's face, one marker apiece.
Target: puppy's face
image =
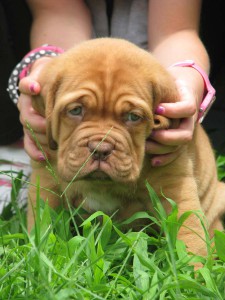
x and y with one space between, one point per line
99 100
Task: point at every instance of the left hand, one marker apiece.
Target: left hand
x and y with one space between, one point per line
165 145
29 86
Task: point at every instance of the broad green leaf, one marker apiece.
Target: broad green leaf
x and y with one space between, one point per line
5 239
140 215
106 231
74 244
220 244
192 285
210 283
156 202
154 286
141 273
93 217
46 221
99 265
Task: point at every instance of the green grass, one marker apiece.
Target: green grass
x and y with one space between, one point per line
97 260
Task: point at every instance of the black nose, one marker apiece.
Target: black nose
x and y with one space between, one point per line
101 150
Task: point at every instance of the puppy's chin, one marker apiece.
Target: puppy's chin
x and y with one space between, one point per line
119 167
97 176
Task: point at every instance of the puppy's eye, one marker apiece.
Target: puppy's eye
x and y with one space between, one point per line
132 117
77 111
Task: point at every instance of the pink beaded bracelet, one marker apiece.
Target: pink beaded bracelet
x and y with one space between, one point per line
22 69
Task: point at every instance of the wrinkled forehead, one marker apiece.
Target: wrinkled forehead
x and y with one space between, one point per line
109 74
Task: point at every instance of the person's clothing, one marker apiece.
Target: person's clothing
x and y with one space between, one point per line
121 19
14 163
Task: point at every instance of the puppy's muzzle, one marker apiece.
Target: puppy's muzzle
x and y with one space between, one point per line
100 150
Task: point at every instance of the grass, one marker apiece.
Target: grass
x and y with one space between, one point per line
96 260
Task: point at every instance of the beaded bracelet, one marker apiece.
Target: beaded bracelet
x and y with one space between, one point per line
22 69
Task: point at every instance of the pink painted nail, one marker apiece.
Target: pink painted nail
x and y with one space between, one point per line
152 134
160 110
156 163
41 158
32 87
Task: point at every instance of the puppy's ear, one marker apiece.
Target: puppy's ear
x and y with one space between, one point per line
44 104
164 88
38 104
51 142
161 122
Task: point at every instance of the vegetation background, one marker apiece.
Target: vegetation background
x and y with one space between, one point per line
96 260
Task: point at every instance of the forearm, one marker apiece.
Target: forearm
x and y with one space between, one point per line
61 23
184 46
181 46
173 37
173 32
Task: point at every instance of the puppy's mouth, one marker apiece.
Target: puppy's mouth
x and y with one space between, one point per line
98 176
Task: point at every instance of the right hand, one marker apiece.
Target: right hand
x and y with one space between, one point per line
29 86
165 145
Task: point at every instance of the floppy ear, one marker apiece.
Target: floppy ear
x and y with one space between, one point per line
161 122
164 88
44 104
164 91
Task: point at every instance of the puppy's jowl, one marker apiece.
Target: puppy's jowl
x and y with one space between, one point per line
99 100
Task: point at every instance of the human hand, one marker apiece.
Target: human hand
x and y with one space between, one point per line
29 86
165 145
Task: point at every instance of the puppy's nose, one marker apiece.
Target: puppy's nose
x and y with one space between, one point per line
101 150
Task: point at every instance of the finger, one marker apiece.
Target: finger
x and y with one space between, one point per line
35 123
24 101
29 115
185 107
32 150
177 110
39 139
154 148
29 86
165 159
173 137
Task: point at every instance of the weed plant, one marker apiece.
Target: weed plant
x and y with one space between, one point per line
94 259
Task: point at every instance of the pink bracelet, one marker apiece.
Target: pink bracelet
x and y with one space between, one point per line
210 92
22 69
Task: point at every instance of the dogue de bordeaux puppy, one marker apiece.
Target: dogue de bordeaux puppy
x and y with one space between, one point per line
99 100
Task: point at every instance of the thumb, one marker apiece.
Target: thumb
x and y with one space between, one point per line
29 85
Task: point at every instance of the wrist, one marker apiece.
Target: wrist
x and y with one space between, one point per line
208 96
190 86
23 68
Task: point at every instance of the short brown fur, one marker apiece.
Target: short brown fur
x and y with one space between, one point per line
109 79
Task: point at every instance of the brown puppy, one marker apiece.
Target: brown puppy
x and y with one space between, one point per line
99 101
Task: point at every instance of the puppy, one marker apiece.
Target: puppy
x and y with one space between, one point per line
99 100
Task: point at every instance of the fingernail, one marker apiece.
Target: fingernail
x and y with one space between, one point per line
41 158
152 134
160 110
32 87
156 163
